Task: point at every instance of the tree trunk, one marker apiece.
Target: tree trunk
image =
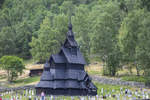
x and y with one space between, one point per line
137 70
130 68
8 75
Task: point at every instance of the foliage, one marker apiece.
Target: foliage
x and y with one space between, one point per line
104 37
45 43
134 39
13 65
81 27
7 41
48 39
36 28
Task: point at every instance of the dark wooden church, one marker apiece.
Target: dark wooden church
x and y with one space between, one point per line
64 72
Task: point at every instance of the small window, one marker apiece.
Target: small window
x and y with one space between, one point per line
52 64
74 51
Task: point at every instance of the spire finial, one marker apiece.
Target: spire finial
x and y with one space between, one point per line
70 24
70 14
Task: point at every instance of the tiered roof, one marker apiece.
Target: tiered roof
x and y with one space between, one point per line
66 76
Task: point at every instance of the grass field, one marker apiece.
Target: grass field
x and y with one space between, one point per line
108 90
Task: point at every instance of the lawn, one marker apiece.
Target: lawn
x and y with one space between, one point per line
134 78
108 90
22 82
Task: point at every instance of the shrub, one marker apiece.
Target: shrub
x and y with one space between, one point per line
13 65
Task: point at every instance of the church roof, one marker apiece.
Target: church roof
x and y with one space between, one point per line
46 76
64 75
46 65
65 83
61 84
58 58
76 59
71 41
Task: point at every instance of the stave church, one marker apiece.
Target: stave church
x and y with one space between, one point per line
64 72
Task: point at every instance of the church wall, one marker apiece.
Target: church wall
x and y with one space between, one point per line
76 66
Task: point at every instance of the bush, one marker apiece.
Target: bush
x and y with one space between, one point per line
13 65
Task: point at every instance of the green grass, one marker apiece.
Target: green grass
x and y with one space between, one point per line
27 80
22 82
3 76
107 89
134 78
29 61
94 73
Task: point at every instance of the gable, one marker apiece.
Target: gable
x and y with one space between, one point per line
58 58
76 59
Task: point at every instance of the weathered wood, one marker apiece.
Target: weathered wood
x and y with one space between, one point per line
64 72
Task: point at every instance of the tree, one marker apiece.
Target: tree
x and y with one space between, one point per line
145 4
81 27
23 37
1 3
66 7
132 40
45 44
13 65
7 41
60 23
22 19
104 38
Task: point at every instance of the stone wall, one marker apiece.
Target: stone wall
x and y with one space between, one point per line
99 79
3 89
116 81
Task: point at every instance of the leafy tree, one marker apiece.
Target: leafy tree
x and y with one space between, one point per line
66 7
46 43
1 3
13 65
104 37
55 8
131 39
60 23
143 48
81 27
50 35
7 41
23 18
145 4
23 37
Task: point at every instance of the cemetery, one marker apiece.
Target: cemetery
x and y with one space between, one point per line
105 92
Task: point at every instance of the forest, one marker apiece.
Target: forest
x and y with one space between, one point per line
116 32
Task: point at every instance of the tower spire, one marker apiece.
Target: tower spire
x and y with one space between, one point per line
70 24
70 33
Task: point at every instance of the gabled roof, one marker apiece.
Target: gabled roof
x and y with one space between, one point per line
58 58
75 74
71 41
61 84
46 65
75 59
46 76
64 75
